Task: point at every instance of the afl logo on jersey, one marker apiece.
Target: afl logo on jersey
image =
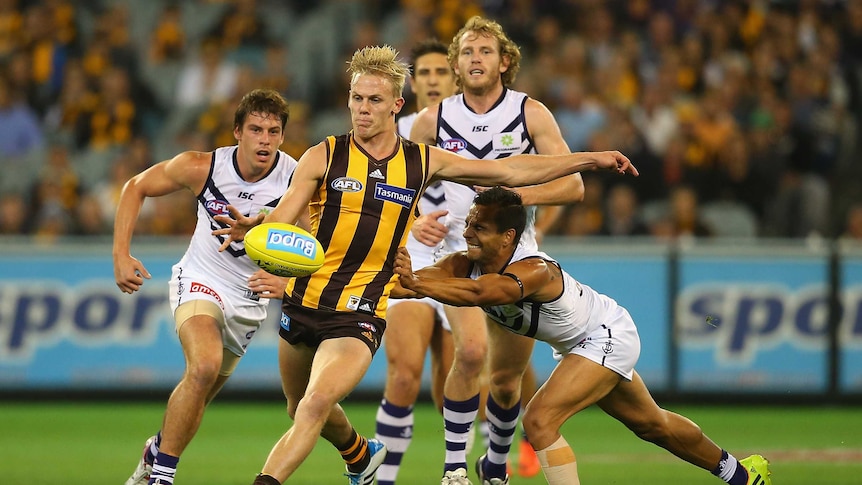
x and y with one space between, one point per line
216 207
454 145
346 184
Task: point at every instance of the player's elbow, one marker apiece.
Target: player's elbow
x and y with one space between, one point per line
577 190
133 189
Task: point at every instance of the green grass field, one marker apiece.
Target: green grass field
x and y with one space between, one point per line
86 443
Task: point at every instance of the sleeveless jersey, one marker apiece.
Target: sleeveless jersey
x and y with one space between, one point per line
405 124
499 133
562 322
224 187
433 199
361 213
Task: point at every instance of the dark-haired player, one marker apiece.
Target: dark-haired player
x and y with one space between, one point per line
218 299
527 294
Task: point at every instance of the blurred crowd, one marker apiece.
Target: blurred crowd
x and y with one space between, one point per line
742 116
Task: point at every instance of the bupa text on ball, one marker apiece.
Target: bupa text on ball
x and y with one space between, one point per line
290 242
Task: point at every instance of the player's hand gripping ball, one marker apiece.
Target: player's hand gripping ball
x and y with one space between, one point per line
284 249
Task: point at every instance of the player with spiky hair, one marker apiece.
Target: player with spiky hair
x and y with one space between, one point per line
361 189
416 327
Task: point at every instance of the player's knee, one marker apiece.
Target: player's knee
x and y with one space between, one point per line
535 426
403 384
470 359
203 372
506 386
315 405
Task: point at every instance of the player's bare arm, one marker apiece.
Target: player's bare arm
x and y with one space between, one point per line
188 170
548 139
292 207
450 266
523 169
535 276
424 128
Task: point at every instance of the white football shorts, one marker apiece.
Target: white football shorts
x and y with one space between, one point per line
615 344
243 312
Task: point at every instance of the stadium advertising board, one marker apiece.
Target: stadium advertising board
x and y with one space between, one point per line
850 335
744 323
753 325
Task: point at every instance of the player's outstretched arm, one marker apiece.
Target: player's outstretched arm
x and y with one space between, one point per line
521 170
188 170
528 278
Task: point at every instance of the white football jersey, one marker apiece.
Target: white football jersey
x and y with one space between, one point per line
405 123
499 133
562 322
224 187
433 198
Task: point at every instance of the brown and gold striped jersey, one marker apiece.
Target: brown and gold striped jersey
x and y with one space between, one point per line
361 213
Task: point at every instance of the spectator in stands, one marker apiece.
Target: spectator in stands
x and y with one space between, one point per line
20 128
56 196
89 217
788 74
11 28
736 179
14 216
68 116
276 73
168 40
241 27
853 223
107 191
114 120
683 217
47 54
621 217
655 118
207 78
712 126
578 115
19 70
587 217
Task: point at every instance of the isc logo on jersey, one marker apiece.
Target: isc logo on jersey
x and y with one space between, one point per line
454 145
291 242
216 207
